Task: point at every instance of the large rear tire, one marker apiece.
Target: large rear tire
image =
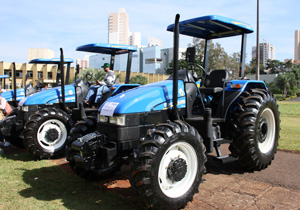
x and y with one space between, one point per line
256 126
46 132
14 137
170 166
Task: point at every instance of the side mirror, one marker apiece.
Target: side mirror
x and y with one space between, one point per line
191 55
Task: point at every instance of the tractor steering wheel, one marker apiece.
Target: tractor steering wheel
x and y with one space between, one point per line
89 78
203 74
39 84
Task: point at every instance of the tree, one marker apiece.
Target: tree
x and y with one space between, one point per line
253 67
282 81
296 72
139 79
275 66
97 73
218 58
286 83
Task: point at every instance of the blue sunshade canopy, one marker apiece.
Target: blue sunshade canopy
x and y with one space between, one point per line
105 48
4 76
212 27
50 61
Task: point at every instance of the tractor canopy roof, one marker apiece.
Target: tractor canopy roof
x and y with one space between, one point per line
4 76
51 60
105 48
212 27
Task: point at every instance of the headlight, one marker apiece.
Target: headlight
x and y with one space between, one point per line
118 120
102 118
25 108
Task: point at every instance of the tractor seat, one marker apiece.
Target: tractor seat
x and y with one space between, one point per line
213 82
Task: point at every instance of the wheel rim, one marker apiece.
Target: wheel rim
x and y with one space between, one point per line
266 131
178 155
52 134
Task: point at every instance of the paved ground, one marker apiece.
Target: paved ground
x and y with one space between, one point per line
226 186
295 99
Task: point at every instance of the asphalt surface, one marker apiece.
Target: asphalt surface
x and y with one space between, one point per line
295 99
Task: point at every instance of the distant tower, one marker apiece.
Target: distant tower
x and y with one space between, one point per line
135 39
152 41
118 27
297 45
266 52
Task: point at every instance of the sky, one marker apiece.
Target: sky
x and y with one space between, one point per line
68 24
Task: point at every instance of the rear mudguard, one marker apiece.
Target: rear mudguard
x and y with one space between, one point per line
231 94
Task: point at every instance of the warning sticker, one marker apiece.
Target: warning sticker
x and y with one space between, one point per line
109 108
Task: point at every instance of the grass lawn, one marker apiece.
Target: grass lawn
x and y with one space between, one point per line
30 184
42 185
290 125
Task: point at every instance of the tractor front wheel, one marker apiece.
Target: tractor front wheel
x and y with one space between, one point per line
101 170
46 132
170 165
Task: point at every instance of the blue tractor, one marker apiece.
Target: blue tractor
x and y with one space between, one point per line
166 128
16 95
11 129
44 119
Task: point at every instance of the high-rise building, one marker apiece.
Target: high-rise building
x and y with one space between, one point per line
297 45
152 41
167 56
34 53
83 63
118 27
135 39
266 52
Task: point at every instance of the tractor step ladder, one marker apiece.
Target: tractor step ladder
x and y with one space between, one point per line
220 157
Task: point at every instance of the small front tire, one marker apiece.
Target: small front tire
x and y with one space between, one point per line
170 166
46 132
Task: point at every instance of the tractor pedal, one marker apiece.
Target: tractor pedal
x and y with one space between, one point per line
227 159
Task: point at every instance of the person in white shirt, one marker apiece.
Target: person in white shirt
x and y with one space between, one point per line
101 87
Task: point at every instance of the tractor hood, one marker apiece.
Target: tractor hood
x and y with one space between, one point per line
147 98
9 95
50 96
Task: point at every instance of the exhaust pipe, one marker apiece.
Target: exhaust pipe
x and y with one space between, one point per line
175 66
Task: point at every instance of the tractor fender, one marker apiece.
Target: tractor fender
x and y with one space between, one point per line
232 94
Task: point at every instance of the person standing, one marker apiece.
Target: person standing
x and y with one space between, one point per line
5 109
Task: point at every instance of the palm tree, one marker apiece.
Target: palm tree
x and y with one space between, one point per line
282 81
97 73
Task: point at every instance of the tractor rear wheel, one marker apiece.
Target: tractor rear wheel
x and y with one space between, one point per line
170 166
256 126
46 132
14 137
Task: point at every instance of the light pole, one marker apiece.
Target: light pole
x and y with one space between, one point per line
257 44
